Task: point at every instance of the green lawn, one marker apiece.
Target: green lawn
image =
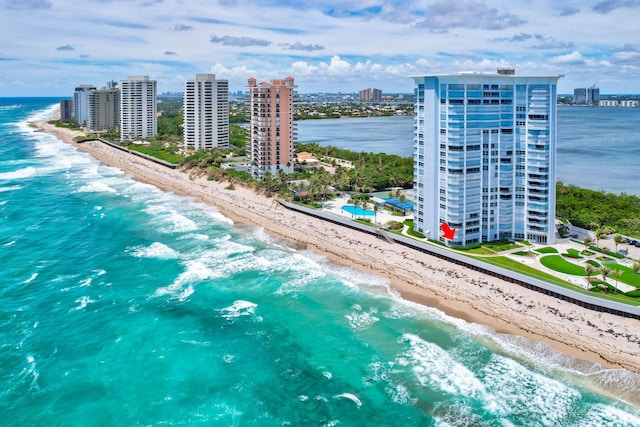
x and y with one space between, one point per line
481 251
513 265
523 253
547 250
573 253
558 263
627 274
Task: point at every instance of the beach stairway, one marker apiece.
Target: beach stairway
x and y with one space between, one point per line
383 234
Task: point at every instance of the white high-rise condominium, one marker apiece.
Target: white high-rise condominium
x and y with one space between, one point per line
206 112
484 157
81 104
138 108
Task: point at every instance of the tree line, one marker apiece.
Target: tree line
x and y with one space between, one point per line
594 210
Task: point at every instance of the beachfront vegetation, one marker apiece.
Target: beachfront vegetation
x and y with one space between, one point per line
370 171
66 125
594 209
167 152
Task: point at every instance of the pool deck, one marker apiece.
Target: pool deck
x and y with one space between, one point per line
382 217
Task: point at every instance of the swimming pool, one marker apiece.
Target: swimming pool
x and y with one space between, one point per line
358 211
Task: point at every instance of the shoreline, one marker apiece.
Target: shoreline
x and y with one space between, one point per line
507 308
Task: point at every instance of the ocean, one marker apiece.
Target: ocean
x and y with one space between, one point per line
125 305
598 148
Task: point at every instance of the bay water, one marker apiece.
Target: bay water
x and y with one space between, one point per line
121 304
598 147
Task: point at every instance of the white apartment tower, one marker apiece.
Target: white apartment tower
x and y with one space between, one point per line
484 157
206 112
138 108
81 103
271 127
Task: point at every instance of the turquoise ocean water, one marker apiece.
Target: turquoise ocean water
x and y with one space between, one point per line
121 304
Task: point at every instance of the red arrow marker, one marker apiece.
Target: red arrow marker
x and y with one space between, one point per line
447 231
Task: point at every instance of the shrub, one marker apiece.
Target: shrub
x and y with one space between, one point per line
394 225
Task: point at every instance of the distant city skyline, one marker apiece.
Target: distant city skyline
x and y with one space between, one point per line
328 46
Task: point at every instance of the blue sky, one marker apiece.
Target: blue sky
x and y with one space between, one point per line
50 46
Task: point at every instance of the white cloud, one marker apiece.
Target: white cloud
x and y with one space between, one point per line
573 58
327 46
446 15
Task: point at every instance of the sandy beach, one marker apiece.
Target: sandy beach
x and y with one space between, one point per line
607 339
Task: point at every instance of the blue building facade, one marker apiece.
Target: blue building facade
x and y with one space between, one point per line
484 157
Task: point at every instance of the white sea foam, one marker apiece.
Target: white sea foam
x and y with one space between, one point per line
359 319
10 188
617 383
351 276
215 214
226 260
197 343
298 269
30 279
258 233
349 396
237 309
600 415
180 224
32 373
172 221
82 303
96 187
517 389
195 236
155 250
11 107
435 368
22 173
195 271
13 242
186 293
41 115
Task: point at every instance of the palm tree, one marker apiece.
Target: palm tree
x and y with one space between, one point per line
617 274
282 176
618 240
354 202
605 272
357 202
590 270
375 214
635 269
600 235
587 241
365 206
